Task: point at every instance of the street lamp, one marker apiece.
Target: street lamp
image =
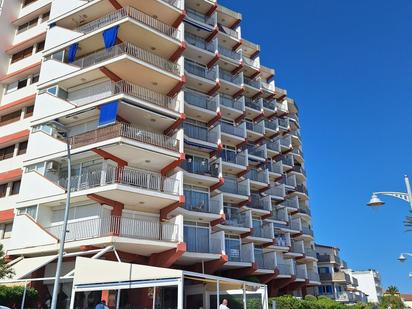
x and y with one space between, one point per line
63 131
375 201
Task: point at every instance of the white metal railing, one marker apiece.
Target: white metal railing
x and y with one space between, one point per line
100 176
132 13
108 88
131 50
117 226
121 129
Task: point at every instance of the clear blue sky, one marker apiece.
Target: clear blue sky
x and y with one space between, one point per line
348 64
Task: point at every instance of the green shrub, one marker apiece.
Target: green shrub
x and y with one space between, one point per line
310 298
12 295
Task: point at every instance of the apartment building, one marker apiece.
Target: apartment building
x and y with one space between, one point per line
337 282
185 155
369 281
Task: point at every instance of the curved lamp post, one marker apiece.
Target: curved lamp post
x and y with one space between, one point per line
375 201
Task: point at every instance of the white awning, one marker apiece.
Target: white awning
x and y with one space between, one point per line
28 265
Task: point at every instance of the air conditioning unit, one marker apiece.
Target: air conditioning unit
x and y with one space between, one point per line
52 166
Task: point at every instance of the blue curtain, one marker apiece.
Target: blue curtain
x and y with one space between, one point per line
108 113
110 36
72 52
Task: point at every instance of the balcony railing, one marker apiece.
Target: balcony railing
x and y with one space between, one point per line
200 133
127 48
117 226
251 62
297 151
267 86
307 230
262 203
284 269
257 151
253 104
255 127
326 258
127 131
134 14
100 176
313 276
275 167
275 146
255 175
264 261
234 187
200 166
281 92
251 82
227 30
272 124
200 202
232 130
283 123
209 20
200 70
299 169
229 77
310 252
234 217
238 158
106 89
230 102
199 42
287 160
269 104
281 241
201 100
261 230
302 189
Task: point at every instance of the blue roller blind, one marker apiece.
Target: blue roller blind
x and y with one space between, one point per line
110 36
108 113
72 52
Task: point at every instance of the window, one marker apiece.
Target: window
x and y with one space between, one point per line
35 78
27 2
28 25
29 210
22 148
29 111
45 16
10 118
7 152
323 270
3 189
15 187
7 230
22 83
39 46
22 54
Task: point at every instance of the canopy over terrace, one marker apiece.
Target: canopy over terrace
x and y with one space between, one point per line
176 288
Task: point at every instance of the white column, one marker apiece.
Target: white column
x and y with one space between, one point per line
180 294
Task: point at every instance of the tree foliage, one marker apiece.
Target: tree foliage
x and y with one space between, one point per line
5 271
392 301
392 290
312 302
11 296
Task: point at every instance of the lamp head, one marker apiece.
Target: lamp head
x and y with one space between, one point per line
402 258
375 201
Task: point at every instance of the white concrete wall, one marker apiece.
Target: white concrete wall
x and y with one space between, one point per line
9 12
35 186
42 145
367 285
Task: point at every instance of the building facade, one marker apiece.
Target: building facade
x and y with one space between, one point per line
336 282
184 152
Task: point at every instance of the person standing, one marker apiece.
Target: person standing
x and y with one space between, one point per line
224 304
101 305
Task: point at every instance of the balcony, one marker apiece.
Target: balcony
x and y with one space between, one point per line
233 187
287 161
313 276
282 241
270 87
200 166
255 83
255 129
251 62
260 203
279 214
198 240
310 252
292 202
254 104
306 230
258 176
228 101
232 135
127 131
199 103
201 202
276 192
264 260
269 104
237 252
284 124
201 133
275 169
132 177
284 269
273 147
197 16
226 30
262 230
131 50
301 272
233 162
229 77
258 152
109 89
200 70
280 93
301 188
145 229
199 42
236 218
272 127
299 169
327 258
134 14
